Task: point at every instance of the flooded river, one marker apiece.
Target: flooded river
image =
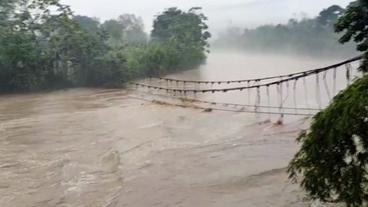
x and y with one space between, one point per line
100 147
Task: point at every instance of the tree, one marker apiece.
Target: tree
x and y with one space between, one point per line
127 29
333 158
6 6
329 16
133 28
354 24
185 31
24 28
115 32
175 24
43 45
90 25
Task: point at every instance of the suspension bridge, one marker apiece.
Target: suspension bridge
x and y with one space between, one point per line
302 93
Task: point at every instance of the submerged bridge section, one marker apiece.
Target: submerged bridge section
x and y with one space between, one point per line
302 93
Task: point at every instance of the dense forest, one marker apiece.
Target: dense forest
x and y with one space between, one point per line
45 46
312 36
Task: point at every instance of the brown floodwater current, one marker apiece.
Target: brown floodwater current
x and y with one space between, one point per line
104 148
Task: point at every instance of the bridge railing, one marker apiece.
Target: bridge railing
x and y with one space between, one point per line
284 86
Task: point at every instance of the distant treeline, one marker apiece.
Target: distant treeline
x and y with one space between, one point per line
314 36
44 46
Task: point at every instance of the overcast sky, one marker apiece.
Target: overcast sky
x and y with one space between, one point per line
221 13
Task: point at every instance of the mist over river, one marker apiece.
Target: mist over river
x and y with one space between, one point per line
103 147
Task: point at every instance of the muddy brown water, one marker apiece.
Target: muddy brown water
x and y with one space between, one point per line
97 147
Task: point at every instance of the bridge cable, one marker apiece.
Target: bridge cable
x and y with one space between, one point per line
227 110
265 78
326 86
234 104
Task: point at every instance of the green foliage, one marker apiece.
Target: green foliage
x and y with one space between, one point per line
152 60
133 29
108 70
23 34
88 24
127 29
45 46
334 153
313 36
19 58
354 25
329 16
185 32
179 41
115 31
